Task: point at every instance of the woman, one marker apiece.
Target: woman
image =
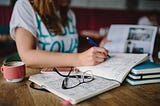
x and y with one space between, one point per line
150 19
46 36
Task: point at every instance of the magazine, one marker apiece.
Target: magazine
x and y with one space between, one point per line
131 39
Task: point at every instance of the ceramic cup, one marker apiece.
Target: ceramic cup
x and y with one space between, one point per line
13 71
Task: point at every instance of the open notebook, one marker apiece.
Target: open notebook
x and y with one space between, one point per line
108 75
53 83
117 67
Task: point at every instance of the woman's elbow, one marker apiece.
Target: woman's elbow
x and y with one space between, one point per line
28 60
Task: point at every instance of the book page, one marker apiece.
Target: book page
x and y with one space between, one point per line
117 67
53 83
118 37
131 39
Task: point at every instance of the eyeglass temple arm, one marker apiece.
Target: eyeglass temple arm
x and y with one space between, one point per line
71 76
54 69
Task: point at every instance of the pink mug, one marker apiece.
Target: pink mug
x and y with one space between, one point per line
13 71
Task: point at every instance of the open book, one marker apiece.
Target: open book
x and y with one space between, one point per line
108 75
131 39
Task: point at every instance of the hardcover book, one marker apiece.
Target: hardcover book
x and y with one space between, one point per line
142 81
146 68
143 76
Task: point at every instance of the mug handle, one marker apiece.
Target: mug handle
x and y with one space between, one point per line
2 69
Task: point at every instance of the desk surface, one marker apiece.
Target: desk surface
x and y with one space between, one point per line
20 94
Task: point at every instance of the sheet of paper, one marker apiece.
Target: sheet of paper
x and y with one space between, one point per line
117 67
53 82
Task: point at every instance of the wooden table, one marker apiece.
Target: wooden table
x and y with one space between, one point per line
20 94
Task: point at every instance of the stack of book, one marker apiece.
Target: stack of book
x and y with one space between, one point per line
145 73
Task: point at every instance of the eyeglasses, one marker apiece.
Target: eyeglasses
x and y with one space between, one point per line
71 81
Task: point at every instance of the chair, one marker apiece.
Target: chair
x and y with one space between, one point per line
11 57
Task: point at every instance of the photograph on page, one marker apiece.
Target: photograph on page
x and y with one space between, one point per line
140 40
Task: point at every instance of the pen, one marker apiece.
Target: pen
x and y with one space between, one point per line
92 42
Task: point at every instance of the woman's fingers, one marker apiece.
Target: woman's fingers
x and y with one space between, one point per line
102 52
98 55
92 56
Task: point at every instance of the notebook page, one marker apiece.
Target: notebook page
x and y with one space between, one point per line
117 67
53 83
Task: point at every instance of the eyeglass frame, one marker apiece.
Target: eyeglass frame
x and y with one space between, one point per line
64 83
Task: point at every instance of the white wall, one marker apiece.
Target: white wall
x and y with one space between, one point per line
116 4
149 4
4 2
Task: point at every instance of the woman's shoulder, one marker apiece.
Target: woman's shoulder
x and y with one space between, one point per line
23 7
23 16
71 13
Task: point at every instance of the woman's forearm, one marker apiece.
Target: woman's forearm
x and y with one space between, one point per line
39 58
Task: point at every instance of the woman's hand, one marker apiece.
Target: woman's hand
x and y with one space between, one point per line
92 56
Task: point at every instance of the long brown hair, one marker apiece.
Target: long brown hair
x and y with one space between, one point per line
47 10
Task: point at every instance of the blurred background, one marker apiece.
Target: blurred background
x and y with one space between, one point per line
91 15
